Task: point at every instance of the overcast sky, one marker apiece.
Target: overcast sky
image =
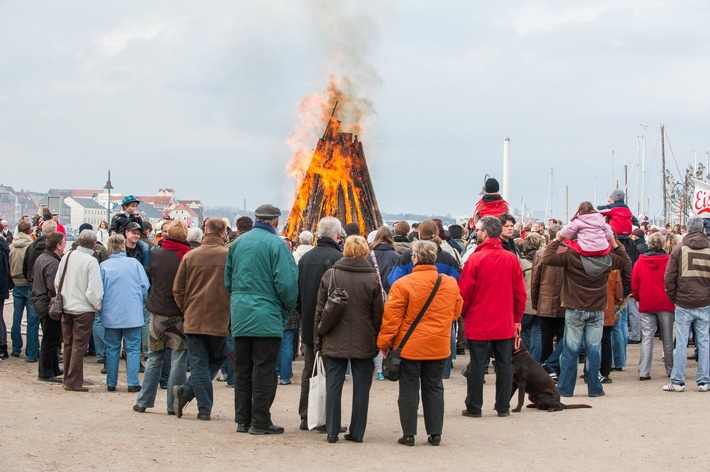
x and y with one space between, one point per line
202 96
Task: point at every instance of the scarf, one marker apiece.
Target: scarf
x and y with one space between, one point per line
181 247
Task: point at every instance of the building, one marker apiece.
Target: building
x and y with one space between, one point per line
85 210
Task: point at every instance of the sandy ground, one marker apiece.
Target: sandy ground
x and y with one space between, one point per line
635 425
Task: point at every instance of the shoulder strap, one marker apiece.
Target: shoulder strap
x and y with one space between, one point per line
377 270
61 280
421 313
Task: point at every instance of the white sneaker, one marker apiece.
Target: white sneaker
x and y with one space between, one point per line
671 387
703 388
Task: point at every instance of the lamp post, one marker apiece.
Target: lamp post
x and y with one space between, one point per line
108 188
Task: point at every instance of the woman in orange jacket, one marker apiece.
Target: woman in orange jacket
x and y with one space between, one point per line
425 353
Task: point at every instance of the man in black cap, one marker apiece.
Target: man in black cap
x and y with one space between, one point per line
262 279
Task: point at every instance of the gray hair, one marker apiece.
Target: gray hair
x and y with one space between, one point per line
695 224
87 239
329 227
492 226
655 242
116 243
194 234
306 237
425 251
267 221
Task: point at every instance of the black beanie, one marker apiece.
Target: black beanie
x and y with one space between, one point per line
492 186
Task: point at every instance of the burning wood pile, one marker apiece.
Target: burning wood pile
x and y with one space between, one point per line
337 183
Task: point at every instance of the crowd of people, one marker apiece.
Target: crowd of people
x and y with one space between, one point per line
246 302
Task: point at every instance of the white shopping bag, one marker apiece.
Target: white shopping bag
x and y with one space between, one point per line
316 394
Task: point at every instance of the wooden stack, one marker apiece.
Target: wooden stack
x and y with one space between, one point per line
337 184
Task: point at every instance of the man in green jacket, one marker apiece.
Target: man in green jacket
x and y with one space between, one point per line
262 279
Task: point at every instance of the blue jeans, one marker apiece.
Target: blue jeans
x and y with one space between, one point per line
145 332
21 297
700 317
553 362
228 365
151 377
581 326
285 363
531 334
206 354
449 364
619 340
132 340
99 337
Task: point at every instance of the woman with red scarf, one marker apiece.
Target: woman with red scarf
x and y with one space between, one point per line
166 319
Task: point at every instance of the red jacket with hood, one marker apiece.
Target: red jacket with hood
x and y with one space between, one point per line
647 283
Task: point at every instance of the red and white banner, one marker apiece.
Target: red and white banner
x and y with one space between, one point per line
701 199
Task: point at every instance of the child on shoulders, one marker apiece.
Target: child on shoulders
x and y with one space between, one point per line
593 233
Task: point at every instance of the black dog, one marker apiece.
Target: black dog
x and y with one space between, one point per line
529 377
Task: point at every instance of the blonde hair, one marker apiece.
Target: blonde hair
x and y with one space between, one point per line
356 246
116 243
670 242
177 230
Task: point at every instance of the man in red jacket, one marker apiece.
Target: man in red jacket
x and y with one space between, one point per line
493 291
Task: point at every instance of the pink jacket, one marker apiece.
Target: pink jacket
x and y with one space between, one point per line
593 233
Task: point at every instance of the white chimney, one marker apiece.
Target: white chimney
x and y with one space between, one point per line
506 169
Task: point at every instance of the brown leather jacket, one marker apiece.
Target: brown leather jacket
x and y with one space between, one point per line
546 288
355 335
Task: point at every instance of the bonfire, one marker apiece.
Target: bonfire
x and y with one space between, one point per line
337 183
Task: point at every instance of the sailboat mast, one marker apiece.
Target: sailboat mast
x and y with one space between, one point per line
663 165
643 171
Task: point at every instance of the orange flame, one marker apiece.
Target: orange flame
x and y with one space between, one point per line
334 178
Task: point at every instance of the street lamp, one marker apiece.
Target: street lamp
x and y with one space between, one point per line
108 188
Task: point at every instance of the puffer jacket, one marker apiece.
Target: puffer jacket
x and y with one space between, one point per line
431 338
161 273
546 288
593 233
44 273
687 276
18 249
262 278
355 335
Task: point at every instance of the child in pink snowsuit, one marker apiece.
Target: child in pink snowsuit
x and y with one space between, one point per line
593 233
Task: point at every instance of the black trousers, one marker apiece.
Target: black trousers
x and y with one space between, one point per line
549 329
605 365
309 358
51 339
255 379
503 353
362 370
429 375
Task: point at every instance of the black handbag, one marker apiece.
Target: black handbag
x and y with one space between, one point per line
335 306
56 303
393 361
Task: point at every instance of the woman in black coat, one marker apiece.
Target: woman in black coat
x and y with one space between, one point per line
353 339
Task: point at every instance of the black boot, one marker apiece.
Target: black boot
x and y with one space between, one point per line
3 352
